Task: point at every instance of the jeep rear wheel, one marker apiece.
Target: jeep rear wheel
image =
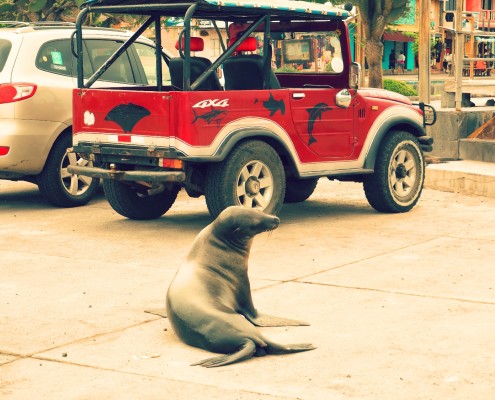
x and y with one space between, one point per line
298 190
58 186
397 182
134 203
252 175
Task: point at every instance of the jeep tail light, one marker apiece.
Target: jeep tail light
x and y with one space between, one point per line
10 92
4 150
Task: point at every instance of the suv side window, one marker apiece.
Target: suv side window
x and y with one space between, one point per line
5 47
100 51
56 57
146 55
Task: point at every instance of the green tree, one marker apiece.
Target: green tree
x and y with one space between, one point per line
39 10
375 16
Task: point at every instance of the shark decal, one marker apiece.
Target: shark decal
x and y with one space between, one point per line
127 115
314 114
211 116
274 105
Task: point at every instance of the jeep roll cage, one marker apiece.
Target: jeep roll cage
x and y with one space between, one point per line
258 15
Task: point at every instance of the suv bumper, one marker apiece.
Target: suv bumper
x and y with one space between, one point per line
29 143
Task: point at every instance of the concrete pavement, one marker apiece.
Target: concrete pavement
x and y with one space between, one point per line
400 306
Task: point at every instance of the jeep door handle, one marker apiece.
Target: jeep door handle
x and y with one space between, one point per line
298 96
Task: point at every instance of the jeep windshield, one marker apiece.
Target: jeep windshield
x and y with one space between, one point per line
291 38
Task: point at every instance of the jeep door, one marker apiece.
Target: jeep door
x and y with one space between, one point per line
324 127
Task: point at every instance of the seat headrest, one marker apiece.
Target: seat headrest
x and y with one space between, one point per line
197 44
249 44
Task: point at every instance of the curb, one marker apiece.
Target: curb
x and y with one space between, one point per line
464 177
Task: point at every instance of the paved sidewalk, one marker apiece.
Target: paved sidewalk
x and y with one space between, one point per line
400 306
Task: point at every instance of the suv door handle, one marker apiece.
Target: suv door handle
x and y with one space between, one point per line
298 95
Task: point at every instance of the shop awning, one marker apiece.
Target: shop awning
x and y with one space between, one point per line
397 37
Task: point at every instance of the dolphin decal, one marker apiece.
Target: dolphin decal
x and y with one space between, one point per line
212 115
314 114
274 105
127 115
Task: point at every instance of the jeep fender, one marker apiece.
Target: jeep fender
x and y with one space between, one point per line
236 131
395 118
246 133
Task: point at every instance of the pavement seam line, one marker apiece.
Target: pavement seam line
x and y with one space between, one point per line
146 375
82 340
397 292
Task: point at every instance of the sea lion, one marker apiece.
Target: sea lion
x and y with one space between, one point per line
209 301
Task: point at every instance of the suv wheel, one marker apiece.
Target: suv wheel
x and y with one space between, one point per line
397 182
298 190
132 203
58 186
252 175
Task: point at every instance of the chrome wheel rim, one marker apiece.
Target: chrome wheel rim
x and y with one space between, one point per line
403 173
74 184
254 185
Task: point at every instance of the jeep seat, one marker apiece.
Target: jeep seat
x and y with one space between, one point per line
198 66
246 71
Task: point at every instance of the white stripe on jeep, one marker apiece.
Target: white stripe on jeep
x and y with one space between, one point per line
262 124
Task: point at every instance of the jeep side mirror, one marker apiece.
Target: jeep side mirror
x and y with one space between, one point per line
354 75
343 98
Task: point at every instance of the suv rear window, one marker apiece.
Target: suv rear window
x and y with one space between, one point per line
5 47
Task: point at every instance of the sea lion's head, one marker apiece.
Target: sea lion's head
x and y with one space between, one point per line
245 223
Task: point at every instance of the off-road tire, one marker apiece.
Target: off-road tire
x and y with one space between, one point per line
57 185
130 203
252 175
397 182
299 190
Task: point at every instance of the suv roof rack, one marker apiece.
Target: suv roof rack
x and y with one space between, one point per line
37 24
13 24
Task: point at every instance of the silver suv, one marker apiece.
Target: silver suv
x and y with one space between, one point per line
37 75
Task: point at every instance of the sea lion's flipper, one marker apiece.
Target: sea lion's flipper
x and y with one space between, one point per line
161 312
274 348
270 320
245 352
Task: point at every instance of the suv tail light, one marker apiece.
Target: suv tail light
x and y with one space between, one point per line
10 92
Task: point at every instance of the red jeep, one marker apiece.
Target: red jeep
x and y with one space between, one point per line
288 112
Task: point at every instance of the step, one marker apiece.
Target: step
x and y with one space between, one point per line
465 177
477 150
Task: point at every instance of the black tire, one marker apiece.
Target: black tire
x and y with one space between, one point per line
130 203
57 185
397 182
299 190
252 175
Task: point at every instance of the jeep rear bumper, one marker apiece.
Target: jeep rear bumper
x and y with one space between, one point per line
114 174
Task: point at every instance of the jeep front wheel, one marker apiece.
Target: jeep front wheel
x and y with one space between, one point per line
252 175
134 203
397 182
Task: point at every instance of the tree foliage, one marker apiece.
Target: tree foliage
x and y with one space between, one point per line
375 16
39 10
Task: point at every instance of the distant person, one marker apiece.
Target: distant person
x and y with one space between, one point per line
401 60
391 61
447 61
